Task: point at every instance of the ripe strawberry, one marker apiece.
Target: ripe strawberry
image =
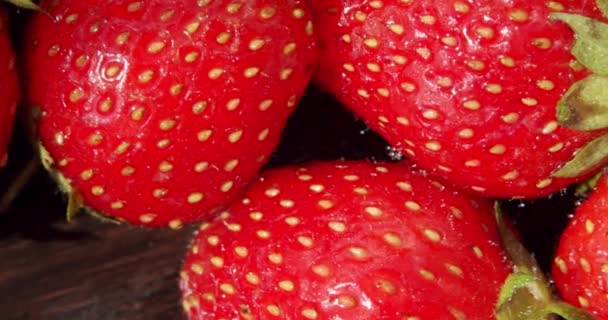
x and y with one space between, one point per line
346 240
159 112
9 87
469 89
580 266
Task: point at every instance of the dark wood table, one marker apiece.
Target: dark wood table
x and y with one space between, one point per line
85 269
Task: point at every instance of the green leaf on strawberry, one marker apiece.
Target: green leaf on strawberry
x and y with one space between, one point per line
585 105
592 155
603 6
591 44
26 4
526 294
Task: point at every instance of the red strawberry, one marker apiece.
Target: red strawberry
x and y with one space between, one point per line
158 112
10 93
346 241
469 89
580 266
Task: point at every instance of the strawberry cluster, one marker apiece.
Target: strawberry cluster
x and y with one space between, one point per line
164 113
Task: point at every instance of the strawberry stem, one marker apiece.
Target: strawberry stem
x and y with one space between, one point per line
519 255
523 305
526 294
514 282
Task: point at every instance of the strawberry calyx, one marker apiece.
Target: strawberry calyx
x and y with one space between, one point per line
526 293
583 189
591 43
590 156
26 4
584 106
75 200
603 6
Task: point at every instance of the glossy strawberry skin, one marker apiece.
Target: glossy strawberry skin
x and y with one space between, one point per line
10 92
346 240
581 261
466 89
159 112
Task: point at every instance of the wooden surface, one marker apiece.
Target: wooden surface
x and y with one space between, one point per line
50 269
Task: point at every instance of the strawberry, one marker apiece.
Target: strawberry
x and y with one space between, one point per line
471 90
10 92
159 112
346 240
581 261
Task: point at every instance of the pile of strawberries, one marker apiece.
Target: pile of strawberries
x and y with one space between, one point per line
163 113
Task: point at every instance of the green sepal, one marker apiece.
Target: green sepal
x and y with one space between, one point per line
523 261
584 107
526 293
514 282
75 202
524 305
591 43
568 311
104 217
26 4
584 188
591 156
603 6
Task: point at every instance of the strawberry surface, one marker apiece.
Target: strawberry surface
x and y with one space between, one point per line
159 112
346 240
466 89
581 262
10 93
